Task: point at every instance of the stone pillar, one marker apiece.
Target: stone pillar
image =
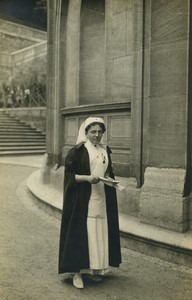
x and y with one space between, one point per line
53 126
72 53
138 84
162 202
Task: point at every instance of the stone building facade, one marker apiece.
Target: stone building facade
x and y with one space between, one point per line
128 61
19 46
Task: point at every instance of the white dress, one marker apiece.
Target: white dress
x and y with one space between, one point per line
97 220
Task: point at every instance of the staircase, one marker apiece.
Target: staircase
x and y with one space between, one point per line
17 138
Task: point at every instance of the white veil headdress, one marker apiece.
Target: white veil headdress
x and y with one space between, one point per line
82 135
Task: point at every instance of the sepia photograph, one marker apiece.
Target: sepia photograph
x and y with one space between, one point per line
96 149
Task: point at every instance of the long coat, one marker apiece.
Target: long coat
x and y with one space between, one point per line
73 249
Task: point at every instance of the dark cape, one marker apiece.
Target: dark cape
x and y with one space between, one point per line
73 249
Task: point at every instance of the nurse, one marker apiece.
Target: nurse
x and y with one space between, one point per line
89 236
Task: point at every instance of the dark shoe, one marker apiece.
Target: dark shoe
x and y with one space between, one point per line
94 278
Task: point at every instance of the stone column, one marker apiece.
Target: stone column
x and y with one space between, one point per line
72 53
162 202
138 85
53 125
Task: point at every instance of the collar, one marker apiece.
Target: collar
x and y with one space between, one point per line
78 146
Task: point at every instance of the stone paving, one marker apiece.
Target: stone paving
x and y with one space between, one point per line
26 160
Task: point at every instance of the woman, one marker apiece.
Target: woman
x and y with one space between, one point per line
89 238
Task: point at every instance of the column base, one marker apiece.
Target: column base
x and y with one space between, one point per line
50 163
161 201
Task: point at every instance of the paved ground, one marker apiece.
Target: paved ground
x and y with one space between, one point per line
29 256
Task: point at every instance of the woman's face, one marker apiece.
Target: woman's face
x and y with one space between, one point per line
94 134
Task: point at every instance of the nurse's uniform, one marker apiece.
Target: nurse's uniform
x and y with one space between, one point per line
97 219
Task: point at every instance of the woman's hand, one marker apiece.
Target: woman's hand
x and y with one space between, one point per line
93 179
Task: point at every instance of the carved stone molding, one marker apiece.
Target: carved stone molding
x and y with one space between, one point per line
90 109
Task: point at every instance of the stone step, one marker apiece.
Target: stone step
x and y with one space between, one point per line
21 134
19 130
10 121
9 118
26 147
21 152
24 143
18 138
21 137
3 115
16 126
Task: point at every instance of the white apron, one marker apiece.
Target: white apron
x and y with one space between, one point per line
97 220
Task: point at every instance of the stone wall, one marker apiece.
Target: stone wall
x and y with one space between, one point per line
19 45
11 42
20 30
28 54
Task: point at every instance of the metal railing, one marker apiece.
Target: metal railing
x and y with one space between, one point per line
27 101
